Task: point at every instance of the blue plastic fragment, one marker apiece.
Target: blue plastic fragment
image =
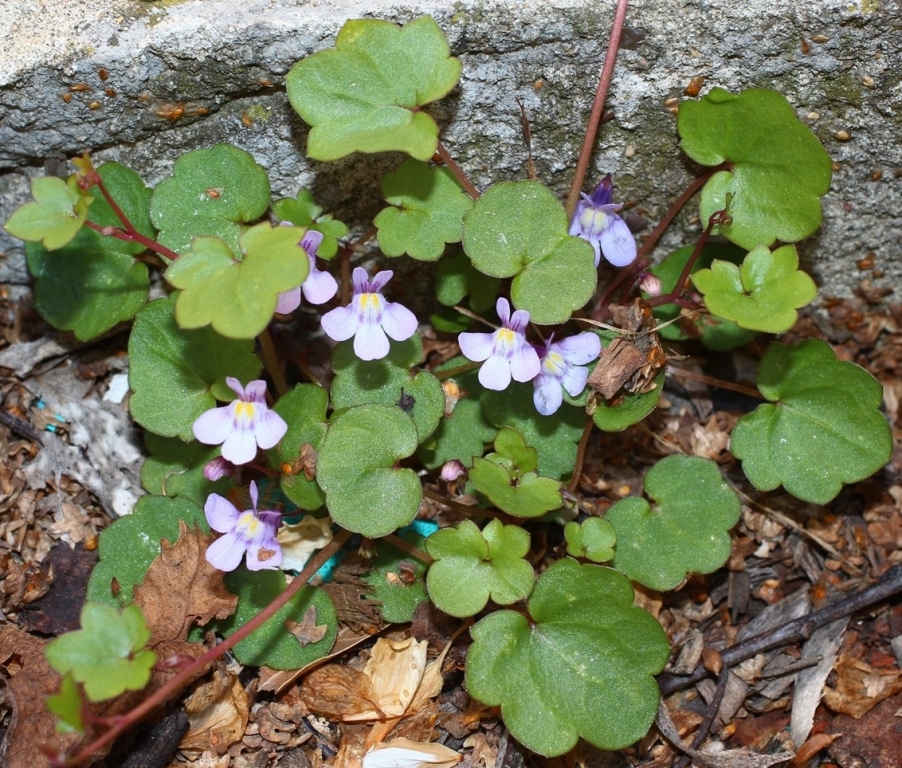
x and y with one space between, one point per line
424 528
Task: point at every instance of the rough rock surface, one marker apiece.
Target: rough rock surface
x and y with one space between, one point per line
186 74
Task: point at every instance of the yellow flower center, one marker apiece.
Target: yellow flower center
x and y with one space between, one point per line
244 412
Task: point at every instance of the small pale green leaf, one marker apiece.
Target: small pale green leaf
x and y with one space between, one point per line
302 211
519 229
593 539
426 211
358 382
211 192
107 654
67 706
581 664
398 599
174 373
473 566
631 410
762 294
822 428
176 468
273 645
55 216
365 491
238 298
779 168
304 411
365 94
688 532
131 543
455 277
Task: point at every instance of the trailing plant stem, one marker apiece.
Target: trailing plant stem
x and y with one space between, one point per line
133 236
468 185
177 682
271 361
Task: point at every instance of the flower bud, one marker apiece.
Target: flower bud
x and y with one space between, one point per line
650 284
452 470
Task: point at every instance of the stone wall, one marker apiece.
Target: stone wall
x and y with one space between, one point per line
140 82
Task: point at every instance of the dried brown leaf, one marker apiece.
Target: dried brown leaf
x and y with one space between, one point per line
307 630
860 687
218 712
342 693
182 589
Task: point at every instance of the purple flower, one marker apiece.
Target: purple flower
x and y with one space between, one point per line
369 317
243 425
596 220
319 286
453 469
250 531
218 468
506 351
561 361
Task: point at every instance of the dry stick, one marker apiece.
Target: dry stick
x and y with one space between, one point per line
580 456
175 684
714 382
458 172
886 586
410 549
601 94
710 716
271 362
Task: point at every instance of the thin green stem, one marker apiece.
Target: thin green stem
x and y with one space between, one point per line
178 682
456 371
601 94
271 362
580 456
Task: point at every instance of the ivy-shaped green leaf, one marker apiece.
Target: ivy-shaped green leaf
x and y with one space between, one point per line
688 531
211 192
68 706
176 468
455 277
108 653
762 294
274 645
304 411
176 374
555 437
302 211
385 381
129 546
473 566
365 491
398 598
426 212
822 428
54 218
592 539
519 229
581 664
779 168
238 297
509 479
365 94
714 332
631 410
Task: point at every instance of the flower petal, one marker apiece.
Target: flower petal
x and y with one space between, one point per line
360 280
311 241
254 495
220 513
269 428
503 308
214 426
380 280
519 321
240 447
579 349
398 321
319 286
235 386
255 392
340 323
547 395
524 363
288 301
495 373
371 343
574 380
226 552
265 555
617 243
476 346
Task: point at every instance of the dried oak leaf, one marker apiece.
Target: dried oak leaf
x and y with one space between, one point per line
182 589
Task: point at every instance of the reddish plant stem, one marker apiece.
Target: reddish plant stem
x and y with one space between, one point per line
580 457
133 237
271 362
177 682
601 94
410 549
456 371
468 185
714 382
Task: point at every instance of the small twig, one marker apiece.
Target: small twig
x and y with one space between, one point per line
465 182
710 716
580 456
886 586
410 549
714 382
601 94
466 509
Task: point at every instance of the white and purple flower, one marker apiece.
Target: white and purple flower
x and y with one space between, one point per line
369 317
595 220
506 351
561 367
252 531
319 286
243 425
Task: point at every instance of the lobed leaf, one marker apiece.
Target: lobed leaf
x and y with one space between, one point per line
302 211
366 492
177 374
630 410
56 215
519 229
398 598
107 654
762 294
365 94
592 539
472 566
687 532
822 428
455 277
581 664
779 168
